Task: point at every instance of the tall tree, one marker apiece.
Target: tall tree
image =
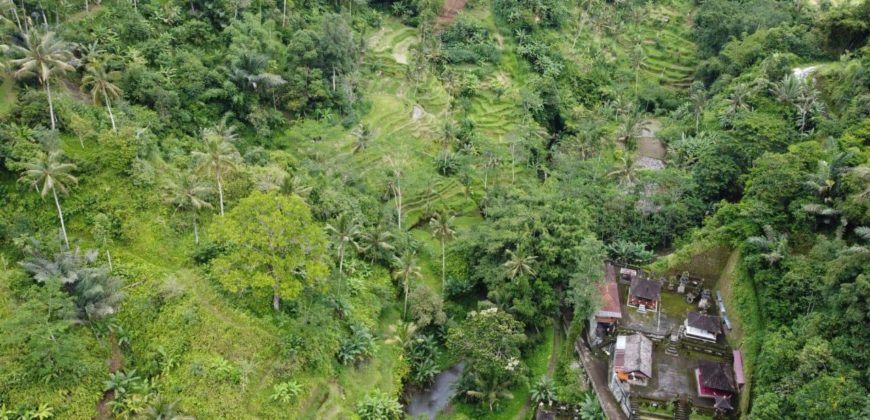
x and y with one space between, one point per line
99 83
406 267
48 173
274 244
442 230
344 231
43 55
187 192
698 100
519 264
218 159
377 242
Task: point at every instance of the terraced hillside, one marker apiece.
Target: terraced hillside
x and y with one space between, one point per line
669 55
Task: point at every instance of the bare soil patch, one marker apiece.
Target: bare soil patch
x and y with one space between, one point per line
449 12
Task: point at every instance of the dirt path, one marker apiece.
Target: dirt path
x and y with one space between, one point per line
551 365
597 372
116 363
449 12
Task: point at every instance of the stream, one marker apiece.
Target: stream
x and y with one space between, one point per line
430 401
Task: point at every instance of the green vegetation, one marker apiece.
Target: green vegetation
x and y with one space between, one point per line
271 209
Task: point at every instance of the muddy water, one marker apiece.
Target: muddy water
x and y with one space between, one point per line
430 401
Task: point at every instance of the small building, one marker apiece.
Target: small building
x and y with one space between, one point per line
604 320
644 294
703 327
632 359
716 381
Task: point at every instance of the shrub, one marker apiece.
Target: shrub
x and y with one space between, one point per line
379 406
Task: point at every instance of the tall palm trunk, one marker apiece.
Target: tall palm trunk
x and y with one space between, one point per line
443 267
220 190
341 258
50 104
276 300
405 310
17 20
111 116
60 216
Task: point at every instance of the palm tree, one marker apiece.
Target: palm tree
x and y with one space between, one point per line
250 72
363 135
49 173
377 241
698 100
402 334
492 161
490 391
788 90
7 6
345 231
543 390
187 192
442 229
99 82
637 57
406 267
519 264
43 55
164 409
774 245
626 172
630 130
219 158
737 100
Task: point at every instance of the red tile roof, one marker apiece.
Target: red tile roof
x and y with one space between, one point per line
610 307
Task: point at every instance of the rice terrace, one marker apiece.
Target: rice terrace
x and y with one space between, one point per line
457 209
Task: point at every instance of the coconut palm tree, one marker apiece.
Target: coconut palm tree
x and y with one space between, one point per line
698 100
49 173
8 7
43 55
377 241
406 267
402 334
363 135
186 192
519 264
490 391
250 72
442 229
218 159
626 171
99 83
737 100
344 231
